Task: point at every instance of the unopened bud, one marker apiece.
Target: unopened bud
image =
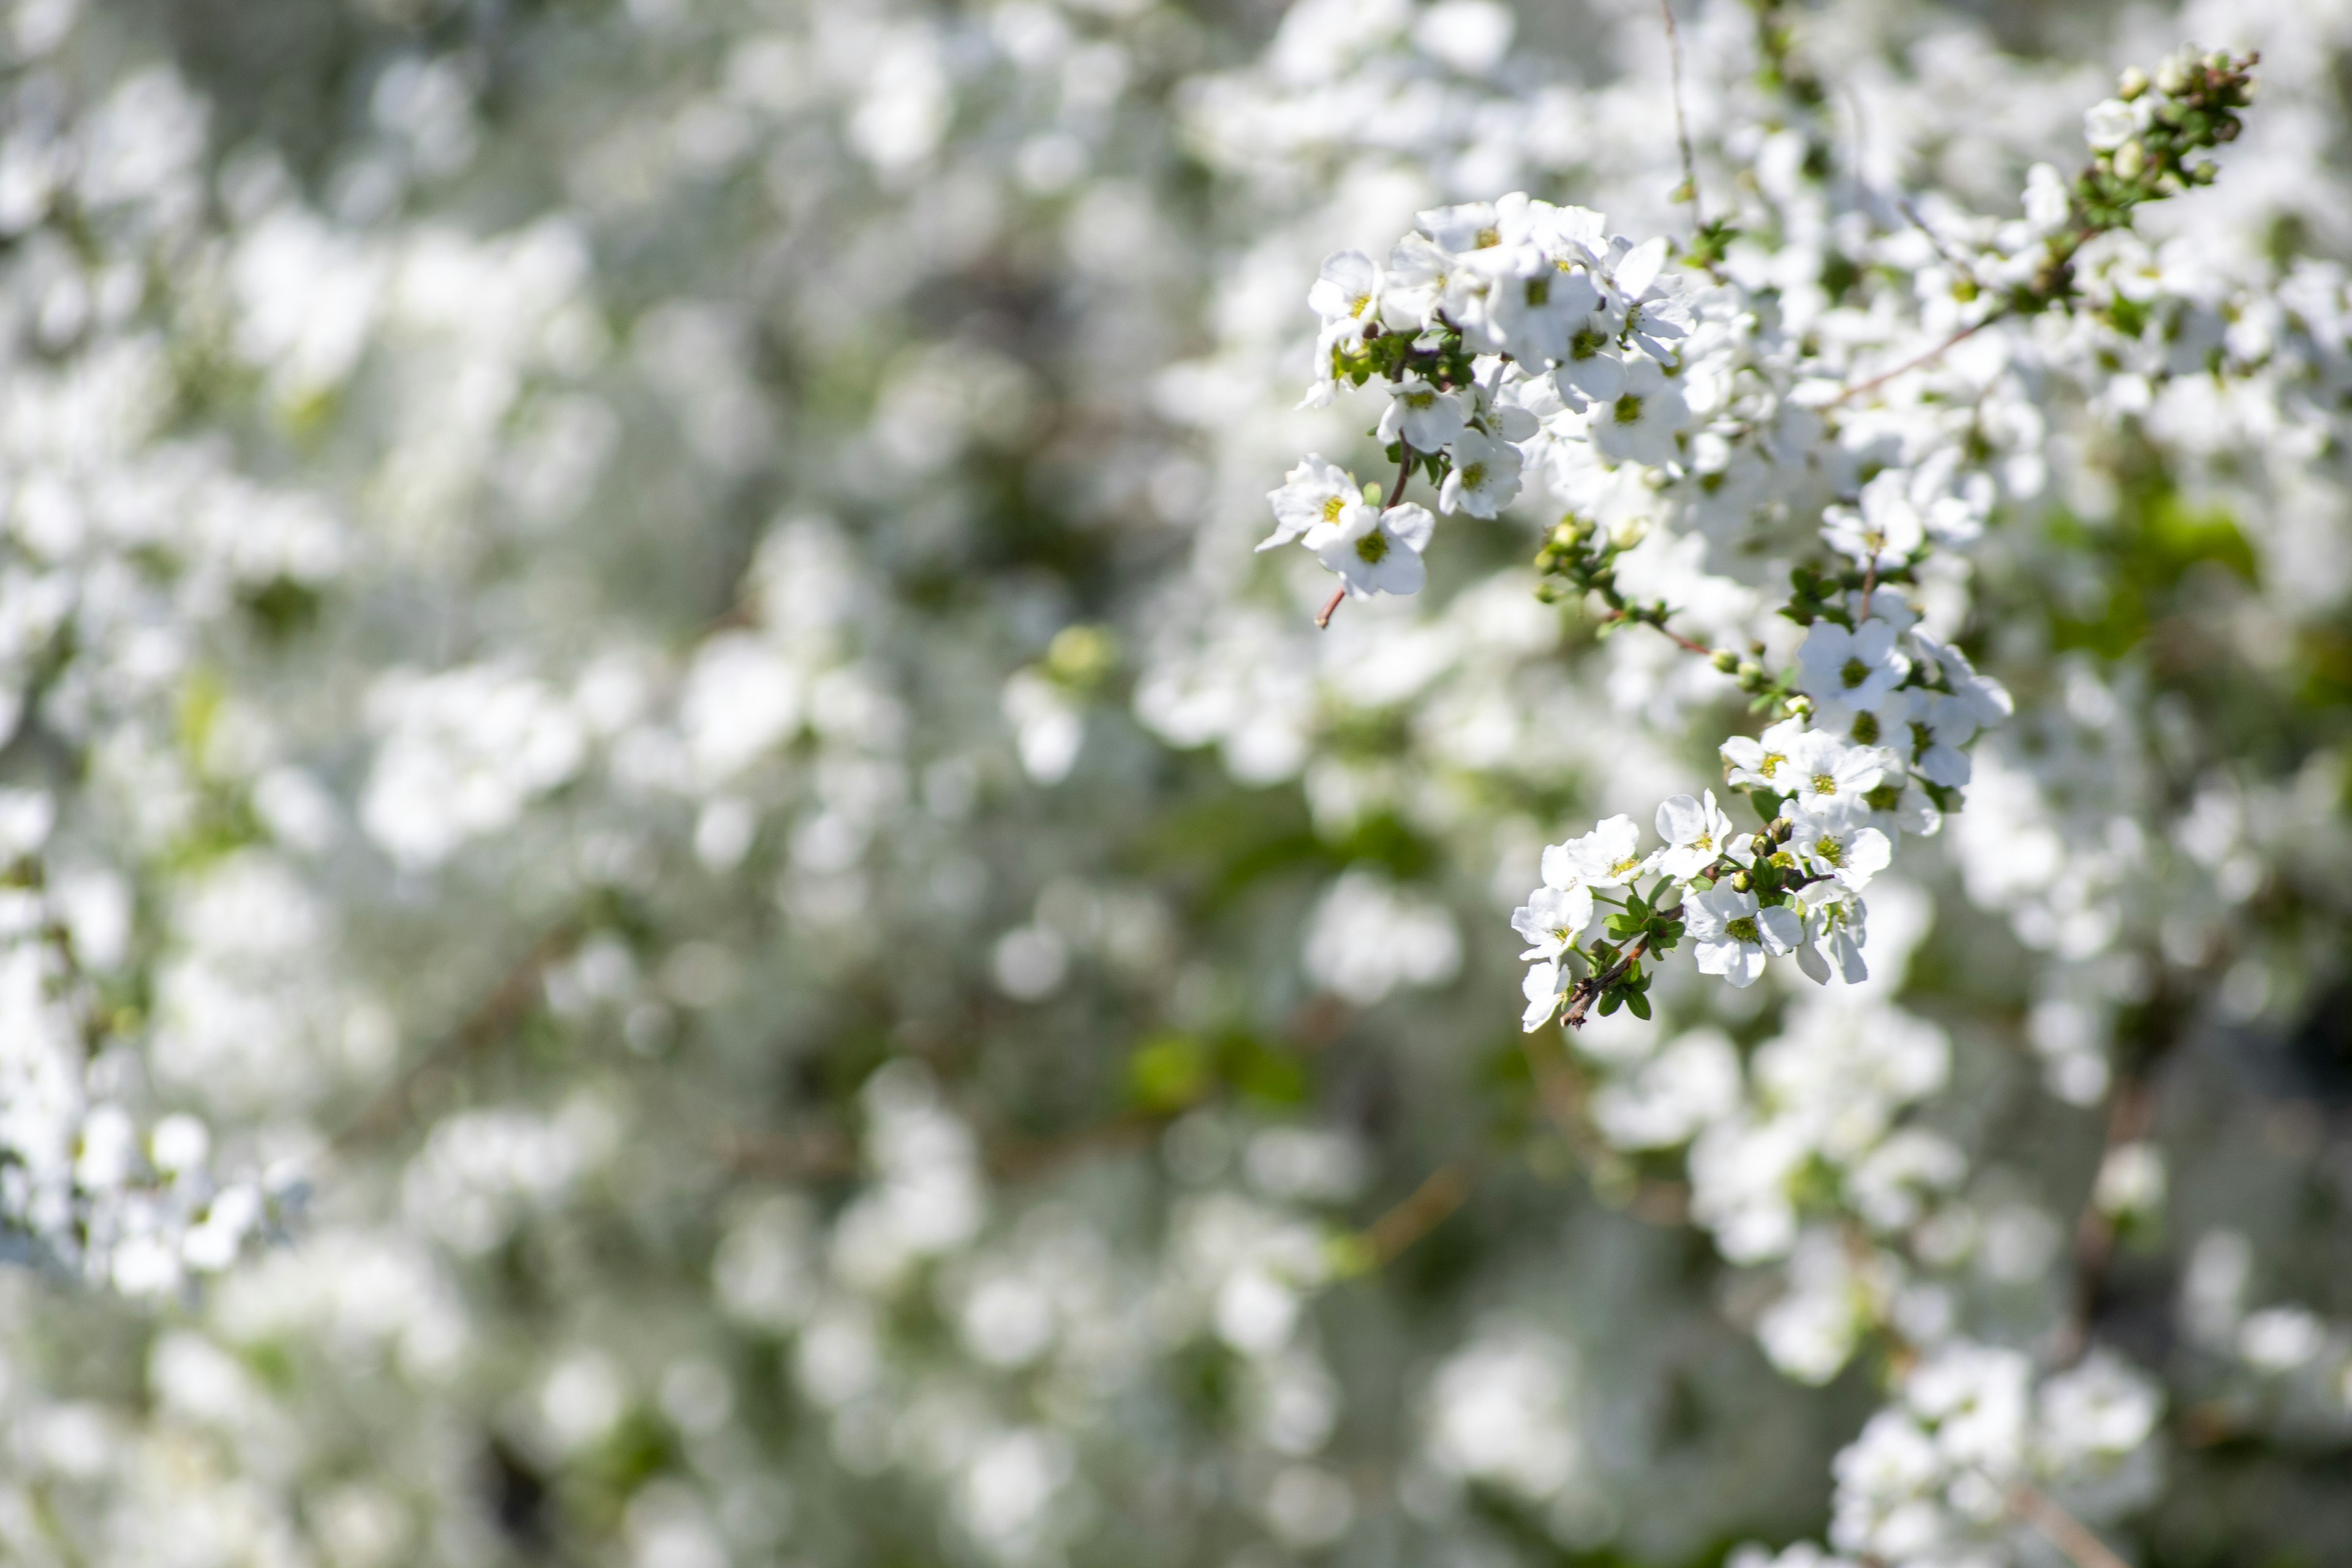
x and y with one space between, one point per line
2129 160
1751 674
1761 843
1784 861
1725 660
2171 77
2132 83
1740 882
1780 829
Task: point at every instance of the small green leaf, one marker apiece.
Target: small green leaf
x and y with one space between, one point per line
1638 1004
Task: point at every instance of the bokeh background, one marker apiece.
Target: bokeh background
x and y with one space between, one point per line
640 630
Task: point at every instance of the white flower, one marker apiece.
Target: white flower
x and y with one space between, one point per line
1485 476
2107 126
1696 834
1422 415
1947 724
1313 494
1472 225
1542 987
1347 296
1826 776
1551 919
1733 933
1590 368
1883 723
1375 551
1855 668
1988 700
1419 276
1883 531
1899 805
1834 934
1762 763
1838 845
1608 857
1535 312
1641 423
2048 203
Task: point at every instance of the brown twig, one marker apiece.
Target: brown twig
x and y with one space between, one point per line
1682 125
1423 1210
1680 641
2064 1530
2128 1117
1907 367
1588 991
495 1018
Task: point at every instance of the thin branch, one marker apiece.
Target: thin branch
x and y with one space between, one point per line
1330 608
1659 623
1423 1210
2095 1231
495 1018
2067 1534
1907 367
1588 990
1682 126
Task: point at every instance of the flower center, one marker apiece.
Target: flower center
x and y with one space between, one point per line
1420 400
1853 672
1487 236
1475 477
1744 929
1332 507
1885 797
1771 764
1703 841
1621 867
1539 291
1829 850
1865 729
1373 547
1629 410
1358 308
1585 344
1826 783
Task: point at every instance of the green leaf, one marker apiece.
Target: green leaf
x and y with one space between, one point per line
1638 1004
1610 1001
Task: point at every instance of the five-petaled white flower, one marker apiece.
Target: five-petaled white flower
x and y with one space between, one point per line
1824 775
1941 726
1541 988
1835 934
1641 423
1608 857
1883 530
1762 763
1424 417
1733 933
1696 832
1375 551
1886 722
1838 844
1313 493
1538 305
1552 918
1485 475
1347 296
1590 369
1855 668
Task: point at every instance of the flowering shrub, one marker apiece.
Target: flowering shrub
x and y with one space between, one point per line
674 893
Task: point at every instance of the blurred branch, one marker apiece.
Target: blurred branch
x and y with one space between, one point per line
1682 125
496 1016
1423 1210
2064 1530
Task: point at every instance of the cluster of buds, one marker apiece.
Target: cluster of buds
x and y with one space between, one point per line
2144 142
